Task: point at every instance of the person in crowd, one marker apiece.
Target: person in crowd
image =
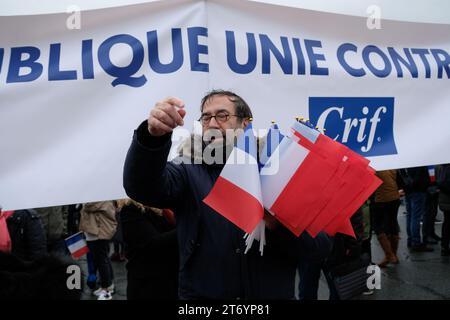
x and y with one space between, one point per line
366 245
431 204
73 218
346 254
55 225
118 254
28 241
443 183
387 202
43 278
313 254
211 248
152 251
415 182
98 222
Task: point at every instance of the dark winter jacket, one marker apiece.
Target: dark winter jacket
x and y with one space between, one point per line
27 235
212 260
414 179
443 172
347 248
152 253
45 278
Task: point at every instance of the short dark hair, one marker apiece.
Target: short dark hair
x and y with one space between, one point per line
243 111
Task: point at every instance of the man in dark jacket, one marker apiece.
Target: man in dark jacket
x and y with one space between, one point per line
212 260
27 235
415 182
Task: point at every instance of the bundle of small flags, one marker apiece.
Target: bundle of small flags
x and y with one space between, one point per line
307 181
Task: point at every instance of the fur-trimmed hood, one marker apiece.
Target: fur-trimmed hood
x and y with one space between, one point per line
192 148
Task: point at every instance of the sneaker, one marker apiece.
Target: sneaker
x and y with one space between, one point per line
104 295
99 290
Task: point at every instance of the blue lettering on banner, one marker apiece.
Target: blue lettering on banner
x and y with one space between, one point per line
54 73
365 125
87 60
314 57
16 63
195 49
288 55
284 59
123 75
1 59
153 53
234 65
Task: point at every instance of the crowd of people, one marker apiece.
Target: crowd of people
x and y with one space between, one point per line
174 246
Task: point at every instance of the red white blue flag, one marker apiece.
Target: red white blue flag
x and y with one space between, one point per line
77 245
237 192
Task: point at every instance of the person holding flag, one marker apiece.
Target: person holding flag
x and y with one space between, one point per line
214 263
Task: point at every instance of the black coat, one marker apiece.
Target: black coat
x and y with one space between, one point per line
152 253
212 260
27 235
45 278
414 179
347 249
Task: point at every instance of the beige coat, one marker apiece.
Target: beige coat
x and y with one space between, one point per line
99 219
388 191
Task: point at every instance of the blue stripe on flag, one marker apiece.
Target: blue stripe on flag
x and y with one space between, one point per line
74 238
273 139
306 131
247 141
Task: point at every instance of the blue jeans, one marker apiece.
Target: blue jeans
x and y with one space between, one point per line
415 208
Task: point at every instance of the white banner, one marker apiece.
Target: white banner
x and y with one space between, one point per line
74 86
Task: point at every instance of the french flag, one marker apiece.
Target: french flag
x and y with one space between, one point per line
77 245
432 174
236 195
320 185
287 194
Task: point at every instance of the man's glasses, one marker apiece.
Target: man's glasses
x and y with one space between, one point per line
220 117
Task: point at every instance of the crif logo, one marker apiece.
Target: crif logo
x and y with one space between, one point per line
365 125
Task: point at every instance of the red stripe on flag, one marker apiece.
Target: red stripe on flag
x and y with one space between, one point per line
306 193
80 252
303 141
235 204
298 203
336 225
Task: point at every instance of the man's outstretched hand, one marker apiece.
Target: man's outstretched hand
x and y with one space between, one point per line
165 116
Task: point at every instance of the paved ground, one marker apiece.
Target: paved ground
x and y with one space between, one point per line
418 276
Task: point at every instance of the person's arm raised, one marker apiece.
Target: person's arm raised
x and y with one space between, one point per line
148 178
